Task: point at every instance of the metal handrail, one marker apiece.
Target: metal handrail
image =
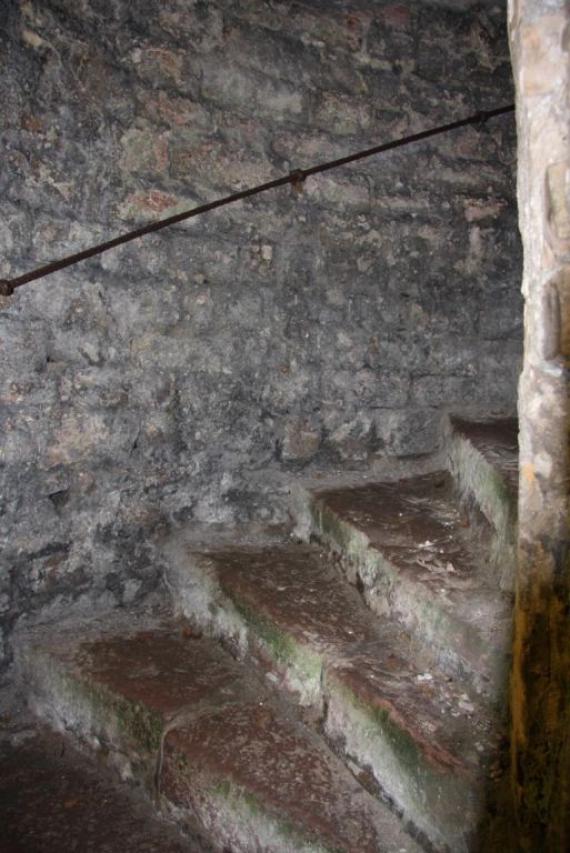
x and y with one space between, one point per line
296 178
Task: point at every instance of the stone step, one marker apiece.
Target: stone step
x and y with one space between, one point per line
55 798
483 459
174 712
415 557
426 742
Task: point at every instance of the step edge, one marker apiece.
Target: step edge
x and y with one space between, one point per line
477 479
369 751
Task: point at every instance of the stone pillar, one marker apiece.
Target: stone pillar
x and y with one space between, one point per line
539 33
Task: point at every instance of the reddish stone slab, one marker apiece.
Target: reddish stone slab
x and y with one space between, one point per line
251 751
166 669
295 588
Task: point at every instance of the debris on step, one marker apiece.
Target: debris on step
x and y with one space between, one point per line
404 546
179 716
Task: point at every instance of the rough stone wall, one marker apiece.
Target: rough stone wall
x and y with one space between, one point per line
540 41
189 375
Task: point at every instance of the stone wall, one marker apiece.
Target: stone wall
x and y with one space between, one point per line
188 376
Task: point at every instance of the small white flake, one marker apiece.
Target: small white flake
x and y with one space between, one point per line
425 676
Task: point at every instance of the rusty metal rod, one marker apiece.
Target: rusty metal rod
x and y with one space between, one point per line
296 177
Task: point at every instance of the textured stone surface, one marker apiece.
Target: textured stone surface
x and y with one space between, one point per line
541 674
55 799
173 710
484 461
147 388
416 557
497 442
426 742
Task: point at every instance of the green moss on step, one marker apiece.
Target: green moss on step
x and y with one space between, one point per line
281 646
245 804
499 489
139 724
92 703
331 526
222 789
402 744
134 722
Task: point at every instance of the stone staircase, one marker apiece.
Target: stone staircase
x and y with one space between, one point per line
341 689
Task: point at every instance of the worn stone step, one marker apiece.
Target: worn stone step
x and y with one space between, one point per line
426 742
55 798
483 459
415 556
175 712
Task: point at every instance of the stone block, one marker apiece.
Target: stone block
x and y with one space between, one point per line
407 432
558 208
341 115
231 87
144 153
301 441
159 65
